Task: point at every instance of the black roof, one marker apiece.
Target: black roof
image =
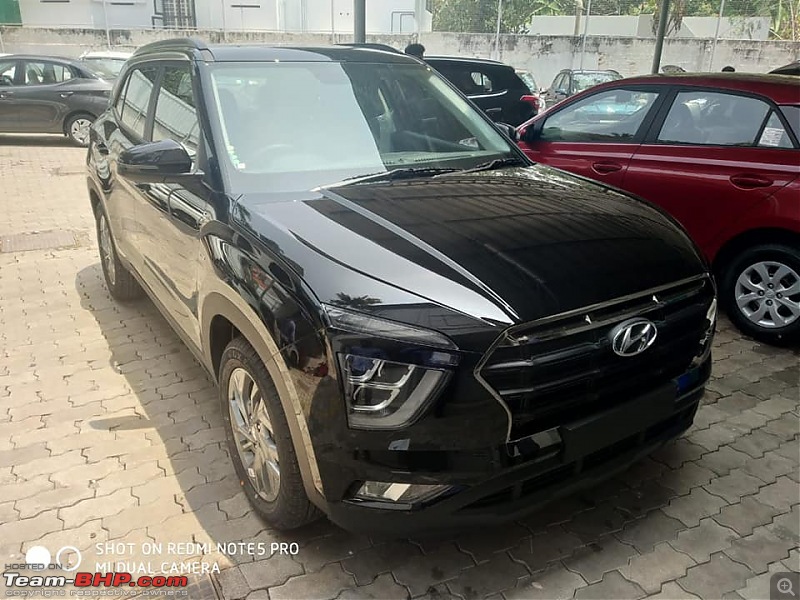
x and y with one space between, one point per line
264 53
466 59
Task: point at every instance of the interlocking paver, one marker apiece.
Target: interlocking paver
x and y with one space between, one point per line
716 577
546 547
491 577
704 540
643 534
554 583
614 586
691 508
672 591
650 570
690 475
769 467
378 559
756 443
745 516
421 572
600 557
384 586
640 500
734 485
723 460
233 583
760 548
328 583
782 494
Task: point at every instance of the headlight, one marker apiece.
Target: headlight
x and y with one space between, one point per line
388 385
383 394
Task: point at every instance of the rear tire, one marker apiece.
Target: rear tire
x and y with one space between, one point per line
259 440
77 129
760 289
120 283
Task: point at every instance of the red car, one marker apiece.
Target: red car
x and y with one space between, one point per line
720 153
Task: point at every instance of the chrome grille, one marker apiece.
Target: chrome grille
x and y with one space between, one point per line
563 368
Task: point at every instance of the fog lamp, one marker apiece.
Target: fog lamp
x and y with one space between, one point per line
401 493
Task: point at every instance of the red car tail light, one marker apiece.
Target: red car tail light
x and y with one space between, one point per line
532 100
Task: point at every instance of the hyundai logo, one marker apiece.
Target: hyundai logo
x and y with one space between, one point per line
633 337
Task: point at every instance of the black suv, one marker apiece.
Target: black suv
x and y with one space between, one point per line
410 325
493 86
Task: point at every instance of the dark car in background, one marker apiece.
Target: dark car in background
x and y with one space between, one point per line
572 81
720 153
411 326
790 69
41 94
496 88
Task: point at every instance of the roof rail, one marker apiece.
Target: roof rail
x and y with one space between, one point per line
187 43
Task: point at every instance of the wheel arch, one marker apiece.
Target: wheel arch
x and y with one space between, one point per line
748 239
221 319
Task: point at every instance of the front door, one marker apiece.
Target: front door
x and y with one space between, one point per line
42 99
595 136
9 117
171 215
712 157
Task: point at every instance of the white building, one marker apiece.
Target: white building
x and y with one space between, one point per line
328 16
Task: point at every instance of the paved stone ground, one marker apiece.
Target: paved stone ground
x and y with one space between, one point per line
110 432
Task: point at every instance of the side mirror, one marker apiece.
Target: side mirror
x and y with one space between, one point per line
164 161
509 130
531 133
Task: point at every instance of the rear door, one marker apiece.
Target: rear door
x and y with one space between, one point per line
710 156
596 135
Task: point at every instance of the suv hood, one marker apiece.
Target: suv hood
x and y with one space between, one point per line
504 246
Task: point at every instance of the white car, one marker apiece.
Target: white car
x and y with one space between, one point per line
106 61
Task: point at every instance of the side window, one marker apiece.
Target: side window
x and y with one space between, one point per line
483 85
610 116
713 118
176 114
7 72
136 99
774 134
46 73
558 82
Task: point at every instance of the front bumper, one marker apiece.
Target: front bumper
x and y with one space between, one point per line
582 453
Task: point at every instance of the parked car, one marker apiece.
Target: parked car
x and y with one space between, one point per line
720 154
105 61
530 81
493 86
411 326
572 81
790 69
42 94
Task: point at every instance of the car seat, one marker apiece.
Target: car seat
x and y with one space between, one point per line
680 127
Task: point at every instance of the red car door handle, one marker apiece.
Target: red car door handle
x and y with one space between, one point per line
604 167
750 182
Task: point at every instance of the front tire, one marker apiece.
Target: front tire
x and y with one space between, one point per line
761 290
120 283
77 129
259 439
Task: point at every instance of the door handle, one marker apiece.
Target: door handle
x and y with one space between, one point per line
749 182
66 94
4 95
605 167
101 148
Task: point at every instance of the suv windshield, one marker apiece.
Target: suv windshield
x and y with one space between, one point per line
293 126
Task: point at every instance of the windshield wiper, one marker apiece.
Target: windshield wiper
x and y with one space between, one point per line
497 163
405 173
